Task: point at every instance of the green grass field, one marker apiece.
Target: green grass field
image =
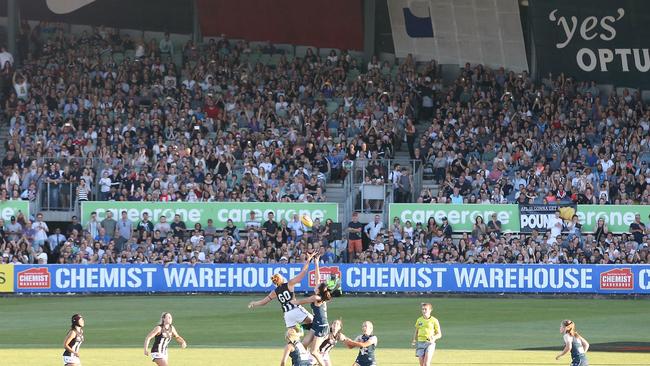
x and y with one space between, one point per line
220 330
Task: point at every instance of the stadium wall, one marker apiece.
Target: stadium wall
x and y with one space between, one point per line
245 278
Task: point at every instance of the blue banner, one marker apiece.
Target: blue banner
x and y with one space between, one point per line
593 279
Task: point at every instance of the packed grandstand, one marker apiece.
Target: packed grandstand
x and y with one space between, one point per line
100 116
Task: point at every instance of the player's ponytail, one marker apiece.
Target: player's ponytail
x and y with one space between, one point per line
570 328
324 292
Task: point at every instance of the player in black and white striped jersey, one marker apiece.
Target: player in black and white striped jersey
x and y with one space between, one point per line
73 341
162 334
284 292
330 341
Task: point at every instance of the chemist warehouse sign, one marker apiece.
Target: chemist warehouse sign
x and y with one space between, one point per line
361 278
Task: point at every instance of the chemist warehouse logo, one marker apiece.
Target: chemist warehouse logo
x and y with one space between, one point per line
34 278
617 279
325 273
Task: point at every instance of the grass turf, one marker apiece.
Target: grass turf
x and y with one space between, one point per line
491 328
339 357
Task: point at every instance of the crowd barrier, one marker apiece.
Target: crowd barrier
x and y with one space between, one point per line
242 278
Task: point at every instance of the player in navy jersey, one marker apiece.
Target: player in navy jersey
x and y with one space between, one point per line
295 349
284 292
367 344
574 343
73 341
330 341
162 334
319 326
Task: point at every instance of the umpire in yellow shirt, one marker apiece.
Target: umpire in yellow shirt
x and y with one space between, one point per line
427 332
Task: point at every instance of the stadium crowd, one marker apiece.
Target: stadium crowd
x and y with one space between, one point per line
103 110
498 137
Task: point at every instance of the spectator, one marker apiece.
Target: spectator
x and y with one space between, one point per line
109 224
456 197
124 231
404 187
494 226
210 232
479 229
252 222
163 227
93 225
145 227
446 228
355 245
6 59
372 229
178 227
555 225
231 230
297 227
56 240
41 231
74 226
638 229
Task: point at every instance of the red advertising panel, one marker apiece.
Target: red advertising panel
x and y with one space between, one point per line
331 24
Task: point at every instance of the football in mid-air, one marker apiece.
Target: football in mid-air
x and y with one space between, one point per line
306 220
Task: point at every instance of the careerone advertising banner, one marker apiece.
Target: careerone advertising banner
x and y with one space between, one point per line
602 40
219 212
461 217
606 279
12 208
617 217
456 32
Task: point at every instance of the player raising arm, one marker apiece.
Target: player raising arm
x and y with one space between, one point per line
320 326
284 292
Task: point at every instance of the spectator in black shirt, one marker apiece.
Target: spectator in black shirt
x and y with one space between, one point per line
637 228
54 182
74 225
231 230
355 244
178 227
145 225
271 226
446 228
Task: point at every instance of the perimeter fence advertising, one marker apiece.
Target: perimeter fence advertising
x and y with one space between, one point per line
236 278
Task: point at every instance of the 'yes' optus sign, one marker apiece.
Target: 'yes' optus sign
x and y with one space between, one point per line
602 40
